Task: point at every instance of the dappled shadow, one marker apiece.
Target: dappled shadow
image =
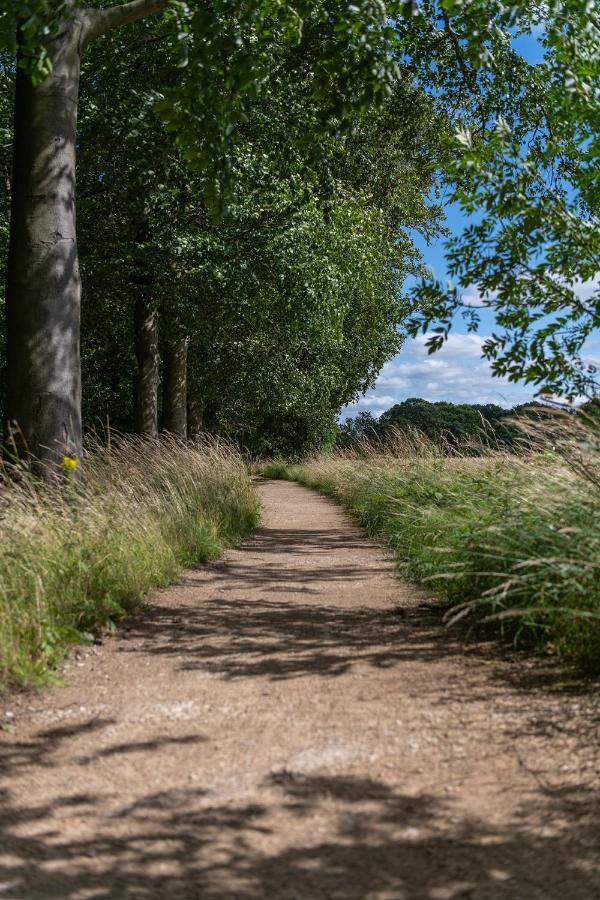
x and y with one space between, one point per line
277 571
380 842
288 833
40 749
239 629
306 540
155 743
234 637
239 638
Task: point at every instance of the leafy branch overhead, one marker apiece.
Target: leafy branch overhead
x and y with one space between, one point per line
526 174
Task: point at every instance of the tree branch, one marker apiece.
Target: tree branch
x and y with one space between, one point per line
99 21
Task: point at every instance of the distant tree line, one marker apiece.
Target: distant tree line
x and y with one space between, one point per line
452 423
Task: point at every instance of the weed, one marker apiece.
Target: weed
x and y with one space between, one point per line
82 552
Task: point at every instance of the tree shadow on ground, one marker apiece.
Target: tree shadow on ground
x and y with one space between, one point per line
311 547
381 844
310 836
233 637
236 637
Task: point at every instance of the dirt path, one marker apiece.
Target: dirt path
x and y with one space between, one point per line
277 728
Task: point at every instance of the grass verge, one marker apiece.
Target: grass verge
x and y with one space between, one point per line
511 540
78 555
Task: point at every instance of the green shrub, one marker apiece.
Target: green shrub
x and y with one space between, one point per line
275 469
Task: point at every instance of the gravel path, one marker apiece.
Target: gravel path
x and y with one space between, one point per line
293 722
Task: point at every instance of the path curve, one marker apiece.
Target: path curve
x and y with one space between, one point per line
293 723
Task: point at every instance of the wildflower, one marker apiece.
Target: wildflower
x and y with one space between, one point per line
69 463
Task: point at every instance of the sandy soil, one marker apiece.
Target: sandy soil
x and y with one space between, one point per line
294 722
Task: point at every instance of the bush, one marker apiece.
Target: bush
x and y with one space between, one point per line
77 555
511 539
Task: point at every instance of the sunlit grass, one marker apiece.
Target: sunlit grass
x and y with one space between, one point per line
512 539
79 554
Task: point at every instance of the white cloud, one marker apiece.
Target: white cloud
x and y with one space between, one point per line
374 402
458 346
456 373
472 296
585 290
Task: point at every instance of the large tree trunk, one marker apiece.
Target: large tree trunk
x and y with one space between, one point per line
146 376
43 287
195 417
175 387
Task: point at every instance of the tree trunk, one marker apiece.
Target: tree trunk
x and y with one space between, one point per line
43 288
195 415
145 324
175 387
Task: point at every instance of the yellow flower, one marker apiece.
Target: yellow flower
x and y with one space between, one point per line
69 463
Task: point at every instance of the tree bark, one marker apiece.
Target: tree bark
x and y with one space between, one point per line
146 377
43 289
175 387
195 417
99 21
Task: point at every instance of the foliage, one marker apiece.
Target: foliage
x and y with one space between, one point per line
461 425
445 423
71 562
527 174
359 429
270 104
27 25
510 540
292 301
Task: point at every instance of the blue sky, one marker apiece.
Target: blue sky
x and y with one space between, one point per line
456 372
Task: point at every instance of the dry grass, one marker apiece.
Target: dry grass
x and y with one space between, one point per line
76 555
512 539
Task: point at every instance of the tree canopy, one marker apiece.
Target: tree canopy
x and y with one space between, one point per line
527 173
251 176
451 424
290 302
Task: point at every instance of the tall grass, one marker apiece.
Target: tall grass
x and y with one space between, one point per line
76 556
510 539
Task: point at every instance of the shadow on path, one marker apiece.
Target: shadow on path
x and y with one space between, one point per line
299 835
380 843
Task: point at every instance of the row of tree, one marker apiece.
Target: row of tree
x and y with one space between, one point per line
250 177
453 423
279 312
464 425
257 305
